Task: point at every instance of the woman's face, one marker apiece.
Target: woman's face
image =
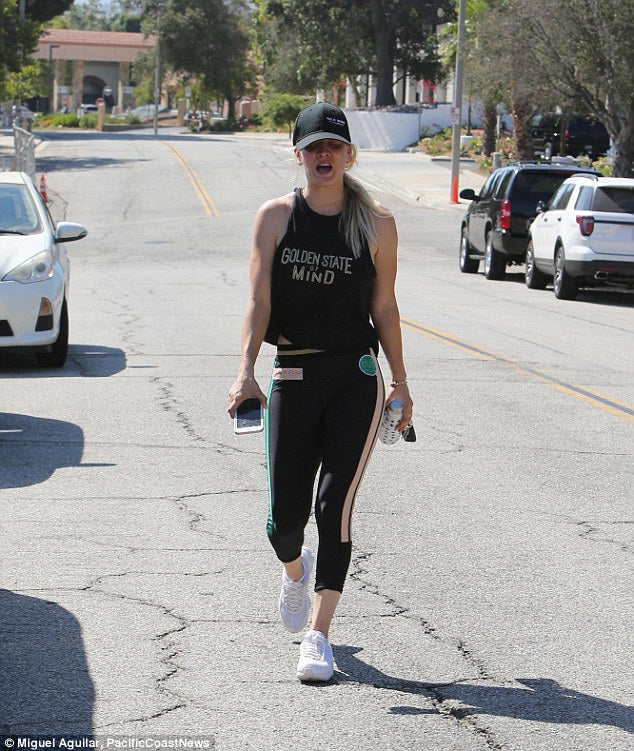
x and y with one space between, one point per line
324 161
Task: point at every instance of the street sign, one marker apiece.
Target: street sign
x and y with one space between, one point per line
454 117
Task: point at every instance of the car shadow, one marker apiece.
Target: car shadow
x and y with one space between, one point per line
539 699
84 361
614 297
32 448
46 690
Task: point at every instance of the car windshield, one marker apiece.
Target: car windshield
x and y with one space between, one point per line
618 200
532 187
17 212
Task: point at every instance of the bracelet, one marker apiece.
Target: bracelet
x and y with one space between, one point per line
398 383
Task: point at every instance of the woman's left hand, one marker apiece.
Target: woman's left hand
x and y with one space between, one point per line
401 393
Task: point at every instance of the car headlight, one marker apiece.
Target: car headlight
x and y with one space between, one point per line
36 269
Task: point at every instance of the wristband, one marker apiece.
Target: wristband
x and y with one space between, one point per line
399 383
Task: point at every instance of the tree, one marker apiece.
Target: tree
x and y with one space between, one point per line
308 45
122 15
485 76
584 51
44 10
17 38
26 82
331 38
282 109
389 19
219 55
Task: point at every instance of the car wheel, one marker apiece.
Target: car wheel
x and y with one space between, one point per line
494 261
56 358
468 265
565 286
535 279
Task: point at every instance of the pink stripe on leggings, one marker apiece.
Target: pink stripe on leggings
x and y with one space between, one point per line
373 432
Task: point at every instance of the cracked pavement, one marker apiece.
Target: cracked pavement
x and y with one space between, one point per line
488 605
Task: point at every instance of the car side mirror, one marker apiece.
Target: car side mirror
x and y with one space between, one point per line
541 207
469 194
66 232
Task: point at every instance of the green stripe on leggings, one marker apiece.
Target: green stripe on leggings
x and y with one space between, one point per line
269 523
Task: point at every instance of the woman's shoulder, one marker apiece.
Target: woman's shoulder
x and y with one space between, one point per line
277 208
383 220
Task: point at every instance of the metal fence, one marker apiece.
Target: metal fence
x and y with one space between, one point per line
24 160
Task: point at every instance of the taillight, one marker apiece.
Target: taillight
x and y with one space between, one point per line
505 214
566 135
586 225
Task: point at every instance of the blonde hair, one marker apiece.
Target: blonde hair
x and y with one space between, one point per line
357 219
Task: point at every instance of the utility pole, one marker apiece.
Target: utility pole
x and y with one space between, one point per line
21 16
456 110
51 88
157 67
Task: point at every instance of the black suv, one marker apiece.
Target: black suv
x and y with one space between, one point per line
495 227
572 136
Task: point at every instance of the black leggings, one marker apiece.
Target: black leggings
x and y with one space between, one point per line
324 409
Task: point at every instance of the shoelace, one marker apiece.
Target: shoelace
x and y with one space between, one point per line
293 596
314 650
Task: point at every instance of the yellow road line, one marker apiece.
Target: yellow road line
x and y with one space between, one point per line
206 200
614 407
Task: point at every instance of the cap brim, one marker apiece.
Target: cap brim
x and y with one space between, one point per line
319 136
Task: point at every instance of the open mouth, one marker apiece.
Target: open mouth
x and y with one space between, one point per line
324 169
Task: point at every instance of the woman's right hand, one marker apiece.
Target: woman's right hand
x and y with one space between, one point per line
244 387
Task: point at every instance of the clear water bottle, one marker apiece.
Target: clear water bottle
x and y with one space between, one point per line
391 417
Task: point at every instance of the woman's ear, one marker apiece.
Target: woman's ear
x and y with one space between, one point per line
298 156
350 160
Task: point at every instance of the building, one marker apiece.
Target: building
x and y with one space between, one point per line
100 65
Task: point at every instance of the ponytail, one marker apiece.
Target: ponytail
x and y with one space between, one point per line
357 219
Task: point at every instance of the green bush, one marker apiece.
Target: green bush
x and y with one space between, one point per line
57 120
89 120
280 110
65 120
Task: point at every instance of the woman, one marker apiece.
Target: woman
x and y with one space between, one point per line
323 268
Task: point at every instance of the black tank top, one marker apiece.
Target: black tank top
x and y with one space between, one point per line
320 293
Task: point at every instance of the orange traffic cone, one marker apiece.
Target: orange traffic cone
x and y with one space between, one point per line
454 190
43 188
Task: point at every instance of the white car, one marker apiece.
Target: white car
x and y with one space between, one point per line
34 272
584 237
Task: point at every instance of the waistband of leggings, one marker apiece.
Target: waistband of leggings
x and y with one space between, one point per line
311 355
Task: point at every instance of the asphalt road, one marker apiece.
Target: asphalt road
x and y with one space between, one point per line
489 604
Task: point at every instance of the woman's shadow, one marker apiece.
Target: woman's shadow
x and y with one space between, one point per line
541 699
45 686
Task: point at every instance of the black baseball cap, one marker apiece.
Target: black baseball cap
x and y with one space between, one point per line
321 120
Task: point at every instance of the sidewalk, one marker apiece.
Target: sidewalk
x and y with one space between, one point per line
417 178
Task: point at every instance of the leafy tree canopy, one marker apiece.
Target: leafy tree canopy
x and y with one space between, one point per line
123 15
321 40
209 39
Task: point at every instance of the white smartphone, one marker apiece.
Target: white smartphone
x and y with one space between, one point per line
249 417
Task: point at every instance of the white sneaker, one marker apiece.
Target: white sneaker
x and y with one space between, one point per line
294 602
315 661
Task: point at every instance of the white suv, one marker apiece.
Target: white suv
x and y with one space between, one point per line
584 237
